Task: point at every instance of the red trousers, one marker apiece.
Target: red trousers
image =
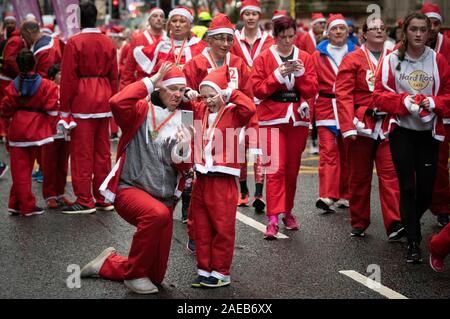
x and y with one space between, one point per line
257 169
213 208
55 158
150 247
440 244
4 123
22 160
333 165
114 128
441 195
285 158
90 159
362 153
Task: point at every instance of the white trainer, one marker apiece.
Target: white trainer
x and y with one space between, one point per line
342 203
141 286
92 268
326 204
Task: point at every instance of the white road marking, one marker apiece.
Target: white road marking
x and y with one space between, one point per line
257 225
372 284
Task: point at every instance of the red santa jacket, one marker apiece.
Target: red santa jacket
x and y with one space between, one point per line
216 145
31 124
196 70
306 41
129 73
123 59
355 84
47 51
325 111
130 108
386 98
89 75
148 57
9 68
266 80
248 53
443 47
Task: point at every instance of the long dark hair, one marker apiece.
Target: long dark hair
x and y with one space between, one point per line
404 43
26 62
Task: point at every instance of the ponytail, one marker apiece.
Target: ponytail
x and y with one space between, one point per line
26 62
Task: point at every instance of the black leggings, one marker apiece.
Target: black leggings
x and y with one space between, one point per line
415 155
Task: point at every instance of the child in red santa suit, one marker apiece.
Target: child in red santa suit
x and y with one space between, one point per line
219 118
28 101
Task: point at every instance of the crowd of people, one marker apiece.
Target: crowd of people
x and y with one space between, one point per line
174 97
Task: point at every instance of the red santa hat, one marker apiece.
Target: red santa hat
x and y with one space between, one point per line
103 29
218 79
173 77
432 10
155 10
9 16
279 14
317 18
116 31
182 11
334 20
48 28
221 24
250 5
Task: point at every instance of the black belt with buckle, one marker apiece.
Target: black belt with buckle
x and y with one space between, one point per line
30 109
285 96
327 95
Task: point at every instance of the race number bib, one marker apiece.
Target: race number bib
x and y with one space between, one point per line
234 77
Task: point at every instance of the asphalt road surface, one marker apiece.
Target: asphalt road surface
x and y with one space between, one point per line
38 254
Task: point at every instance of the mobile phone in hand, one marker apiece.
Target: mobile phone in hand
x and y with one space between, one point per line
187 118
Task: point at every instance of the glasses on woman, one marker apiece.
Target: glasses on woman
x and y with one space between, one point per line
223 38
376 29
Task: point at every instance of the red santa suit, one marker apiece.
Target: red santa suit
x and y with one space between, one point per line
31 111
249 53
149 211
200 66
55 160
123 58
439 244
178 52
9 69
48 53
217 163
441 196
89 78
333 168
286 123
355 83
130 71
306 41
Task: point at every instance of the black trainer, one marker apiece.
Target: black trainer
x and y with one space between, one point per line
77 209
414 255
397 231
356 232
213 282
190 246
3 169
443 220
197 282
